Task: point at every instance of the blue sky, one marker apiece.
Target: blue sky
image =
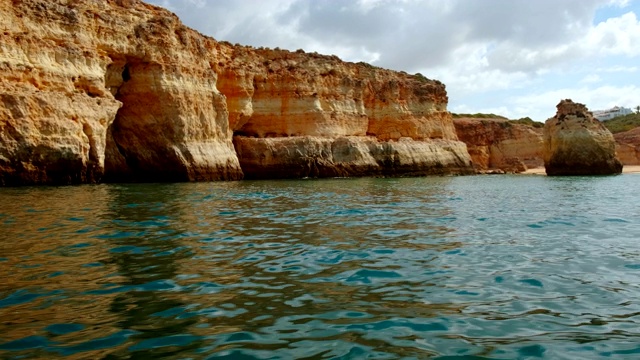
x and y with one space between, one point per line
515 58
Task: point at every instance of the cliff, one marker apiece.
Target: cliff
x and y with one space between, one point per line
498 144
575 143
91 91
119 90
628 146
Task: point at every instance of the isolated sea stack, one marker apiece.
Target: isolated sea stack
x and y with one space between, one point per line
577 144
119 90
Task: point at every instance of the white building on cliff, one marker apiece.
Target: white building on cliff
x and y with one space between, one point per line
604 115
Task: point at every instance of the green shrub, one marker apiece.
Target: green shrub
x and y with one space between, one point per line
478 116
524 121
421 77
622 123
528 121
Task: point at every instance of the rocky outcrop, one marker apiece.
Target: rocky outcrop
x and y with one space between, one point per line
119 90
307 115
628 146
343 156
498 144
577 144
108 89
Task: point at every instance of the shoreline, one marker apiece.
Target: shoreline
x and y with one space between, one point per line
626 169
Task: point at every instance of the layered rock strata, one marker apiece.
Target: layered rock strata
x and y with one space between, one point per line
119 90
108 89
296 115
575 143
628 146
497 144
344 156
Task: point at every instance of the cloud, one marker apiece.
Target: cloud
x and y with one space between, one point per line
618 68
602 97
408 34
616 36
591 78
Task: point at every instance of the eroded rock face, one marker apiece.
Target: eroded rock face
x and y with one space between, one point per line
497 144
119 90
577 144
311 156
108 89
294 114
628 146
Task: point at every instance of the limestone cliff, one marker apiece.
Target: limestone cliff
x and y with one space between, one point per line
119 90
628 146
296 114
497 144
108 89
577 144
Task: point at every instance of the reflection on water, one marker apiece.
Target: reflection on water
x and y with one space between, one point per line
495 267
146 250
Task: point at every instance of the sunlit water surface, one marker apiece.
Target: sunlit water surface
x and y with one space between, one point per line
483 267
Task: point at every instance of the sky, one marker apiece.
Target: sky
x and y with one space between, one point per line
516 58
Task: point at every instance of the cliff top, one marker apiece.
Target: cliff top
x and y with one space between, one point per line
493 118
479 116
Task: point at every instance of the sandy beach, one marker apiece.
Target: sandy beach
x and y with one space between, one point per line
627 169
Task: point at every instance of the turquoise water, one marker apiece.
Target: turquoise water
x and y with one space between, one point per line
481 267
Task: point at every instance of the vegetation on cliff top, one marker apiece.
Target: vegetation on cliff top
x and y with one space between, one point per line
528 121
622 123
524 121
478 116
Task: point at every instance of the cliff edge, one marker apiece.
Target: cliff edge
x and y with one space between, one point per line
119 90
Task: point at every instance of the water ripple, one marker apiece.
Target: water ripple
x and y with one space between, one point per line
448 268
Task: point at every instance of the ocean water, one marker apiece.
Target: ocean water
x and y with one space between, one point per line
478 267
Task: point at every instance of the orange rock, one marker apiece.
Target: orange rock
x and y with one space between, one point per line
116 89
290 112
577 144
119 90
309 156
497 144
628 146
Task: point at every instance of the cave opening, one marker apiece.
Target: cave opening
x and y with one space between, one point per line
126 74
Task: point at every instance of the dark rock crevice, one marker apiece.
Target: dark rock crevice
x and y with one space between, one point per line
93 170
115 162
131 154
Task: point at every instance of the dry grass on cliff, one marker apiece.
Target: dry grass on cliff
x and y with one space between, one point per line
528 121
478 116
523 121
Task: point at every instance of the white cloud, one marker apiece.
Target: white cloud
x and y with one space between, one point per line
465 109
591 78
618 68
620 35
620 3
602 97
